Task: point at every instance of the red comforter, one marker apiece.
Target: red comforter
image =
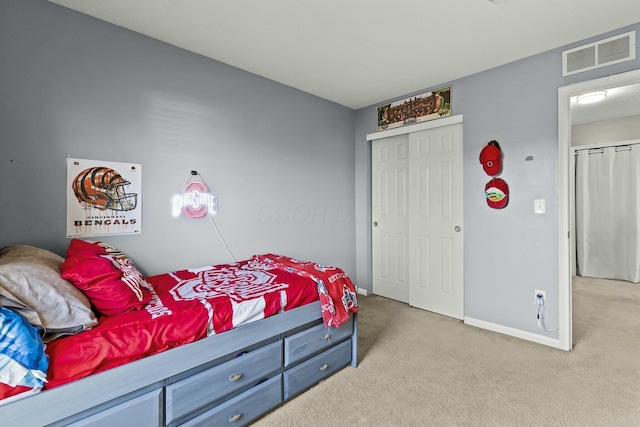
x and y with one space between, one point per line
188 305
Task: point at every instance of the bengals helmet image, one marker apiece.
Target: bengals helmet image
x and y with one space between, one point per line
103 188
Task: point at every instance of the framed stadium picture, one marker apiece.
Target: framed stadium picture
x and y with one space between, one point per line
417 109
103 198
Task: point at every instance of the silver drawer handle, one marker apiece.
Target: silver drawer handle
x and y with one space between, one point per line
234 418
324 367
325 337
235 377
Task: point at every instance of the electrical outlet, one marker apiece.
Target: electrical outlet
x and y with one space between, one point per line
544 297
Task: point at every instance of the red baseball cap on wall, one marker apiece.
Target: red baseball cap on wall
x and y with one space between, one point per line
491 158
497 193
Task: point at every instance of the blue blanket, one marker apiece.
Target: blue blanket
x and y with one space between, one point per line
22 358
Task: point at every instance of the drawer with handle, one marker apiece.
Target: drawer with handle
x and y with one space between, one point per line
244 408
312 371
313 340
208 386
140 411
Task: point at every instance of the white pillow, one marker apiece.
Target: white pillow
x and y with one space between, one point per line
30 283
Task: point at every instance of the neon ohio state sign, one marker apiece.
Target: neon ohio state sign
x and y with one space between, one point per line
195 202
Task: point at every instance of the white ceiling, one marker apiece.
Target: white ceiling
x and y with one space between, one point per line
362 52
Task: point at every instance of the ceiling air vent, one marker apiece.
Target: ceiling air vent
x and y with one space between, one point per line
605 52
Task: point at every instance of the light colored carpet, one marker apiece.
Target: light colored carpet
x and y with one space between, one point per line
417 368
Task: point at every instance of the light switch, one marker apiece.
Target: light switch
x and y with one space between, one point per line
539 206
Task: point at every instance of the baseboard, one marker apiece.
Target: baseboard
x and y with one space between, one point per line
540 339
363 292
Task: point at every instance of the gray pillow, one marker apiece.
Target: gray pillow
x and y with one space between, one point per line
30 283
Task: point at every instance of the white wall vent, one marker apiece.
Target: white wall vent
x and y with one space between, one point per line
605 52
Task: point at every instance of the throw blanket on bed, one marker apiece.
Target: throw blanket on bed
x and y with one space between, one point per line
188 305
336 291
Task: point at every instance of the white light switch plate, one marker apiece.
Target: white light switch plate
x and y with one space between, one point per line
539 206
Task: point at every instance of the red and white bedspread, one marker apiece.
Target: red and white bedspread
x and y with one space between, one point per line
335 289
188 305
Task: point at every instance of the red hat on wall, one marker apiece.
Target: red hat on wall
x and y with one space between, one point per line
491 158
497 193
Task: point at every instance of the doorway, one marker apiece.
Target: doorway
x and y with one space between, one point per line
566 176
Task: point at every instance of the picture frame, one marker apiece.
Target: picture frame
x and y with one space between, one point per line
415 109
103 198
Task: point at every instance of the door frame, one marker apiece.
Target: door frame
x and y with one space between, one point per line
566 171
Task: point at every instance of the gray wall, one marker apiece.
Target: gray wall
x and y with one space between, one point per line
280 160
511 252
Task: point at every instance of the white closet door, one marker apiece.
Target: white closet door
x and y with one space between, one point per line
390 210
417 245
435 226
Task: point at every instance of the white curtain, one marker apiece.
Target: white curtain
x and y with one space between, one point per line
608 212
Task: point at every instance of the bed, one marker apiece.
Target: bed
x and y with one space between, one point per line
216 345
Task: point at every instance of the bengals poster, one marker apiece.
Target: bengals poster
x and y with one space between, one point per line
103 198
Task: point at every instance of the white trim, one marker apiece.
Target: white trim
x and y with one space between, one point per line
363 291
565 170
517 333
565 325
446 121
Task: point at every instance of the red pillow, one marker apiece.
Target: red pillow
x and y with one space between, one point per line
106 276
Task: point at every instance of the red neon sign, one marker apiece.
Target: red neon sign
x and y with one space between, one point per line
196 201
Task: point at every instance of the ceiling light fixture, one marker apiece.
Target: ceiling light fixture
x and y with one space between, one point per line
591 97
